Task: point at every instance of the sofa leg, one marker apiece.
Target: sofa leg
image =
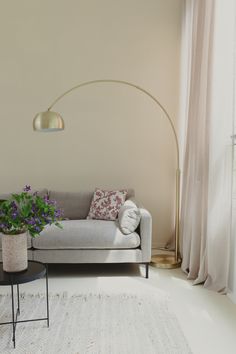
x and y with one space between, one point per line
147 270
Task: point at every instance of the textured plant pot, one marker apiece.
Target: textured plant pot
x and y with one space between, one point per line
14 252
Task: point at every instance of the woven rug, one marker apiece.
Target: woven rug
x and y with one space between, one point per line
94 324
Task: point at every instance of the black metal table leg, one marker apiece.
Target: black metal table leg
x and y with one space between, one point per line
147 268
36 270
13 315
18 300
47 294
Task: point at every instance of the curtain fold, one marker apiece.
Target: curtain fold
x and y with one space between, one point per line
207 163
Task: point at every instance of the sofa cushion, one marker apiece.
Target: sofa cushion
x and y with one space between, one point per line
86 234
41 193
129 216
106 204
75 205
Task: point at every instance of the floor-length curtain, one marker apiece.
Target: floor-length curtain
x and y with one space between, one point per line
207 106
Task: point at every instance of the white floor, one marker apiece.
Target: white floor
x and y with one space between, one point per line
207 319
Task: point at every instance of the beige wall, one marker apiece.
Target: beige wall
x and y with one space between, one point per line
115 136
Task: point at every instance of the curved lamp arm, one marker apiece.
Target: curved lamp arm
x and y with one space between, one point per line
52 121
127 84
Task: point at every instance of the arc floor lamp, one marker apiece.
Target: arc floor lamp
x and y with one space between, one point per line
52 121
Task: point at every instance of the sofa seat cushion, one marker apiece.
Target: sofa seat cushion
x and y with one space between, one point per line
86 234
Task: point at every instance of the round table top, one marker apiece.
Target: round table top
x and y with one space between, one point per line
35 270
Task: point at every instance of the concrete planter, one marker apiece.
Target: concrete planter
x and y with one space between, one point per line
14 252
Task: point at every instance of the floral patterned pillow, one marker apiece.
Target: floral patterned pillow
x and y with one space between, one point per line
106 204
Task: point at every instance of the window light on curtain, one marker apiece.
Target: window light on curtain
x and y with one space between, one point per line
207 111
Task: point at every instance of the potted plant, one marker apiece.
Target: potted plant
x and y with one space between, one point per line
22 214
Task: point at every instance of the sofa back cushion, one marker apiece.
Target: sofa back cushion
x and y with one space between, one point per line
41 193
76 205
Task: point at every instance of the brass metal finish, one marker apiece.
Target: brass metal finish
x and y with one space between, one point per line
48 122
127 84
177 213
165 261
52 121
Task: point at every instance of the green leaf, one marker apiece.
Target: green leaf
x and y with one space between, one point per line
58 225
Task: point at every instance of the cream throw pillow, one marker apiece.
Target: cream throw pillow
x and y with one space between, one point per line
129 217
106 204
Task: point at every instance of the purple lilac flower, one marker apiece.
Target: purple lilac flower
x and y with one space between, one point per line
14 215
13 205
46 198
58 213
31 221
34 207
27 188
48 220
38 221
48 201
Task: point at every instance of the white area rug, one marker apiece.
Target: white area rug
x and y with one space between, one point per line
94 324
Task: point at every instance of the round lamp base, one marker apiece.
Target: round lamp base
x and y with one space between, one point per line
166 261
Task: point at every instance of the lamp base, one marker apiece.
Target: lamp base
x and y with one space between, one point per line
166 261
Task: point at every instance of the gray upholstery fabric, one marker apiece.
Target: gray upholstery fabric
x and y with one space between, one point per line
29 238
41 192
130 193
88 256
5 196
146 234
86 234
75 204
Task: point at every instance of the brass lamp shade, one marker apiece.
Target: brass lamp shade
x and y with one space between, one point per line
48 122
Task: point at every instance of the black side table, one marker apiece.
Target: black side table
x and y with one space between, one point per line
36 270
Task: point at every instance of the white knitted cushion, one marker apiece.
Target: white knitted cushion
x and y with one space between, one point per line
129 217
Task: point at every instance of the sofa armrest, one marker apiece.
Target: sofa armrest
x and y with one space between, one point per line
146 234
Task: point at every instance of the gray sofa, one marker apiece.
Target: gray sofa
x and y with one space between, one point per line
90 241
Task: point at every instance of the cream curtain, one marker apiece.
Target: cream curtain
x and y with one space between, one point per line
207 116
